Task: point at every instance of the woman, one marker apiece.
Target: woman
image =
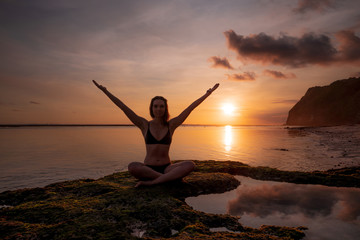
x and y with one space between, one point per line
157 167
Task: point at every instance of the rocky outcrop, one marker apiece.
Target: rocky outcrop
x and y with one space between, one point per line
335 104
111 208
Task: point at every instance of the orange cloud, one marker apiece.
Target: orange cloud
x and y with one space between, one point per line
246 76
220 62
33 102
349 48
279 75
286 101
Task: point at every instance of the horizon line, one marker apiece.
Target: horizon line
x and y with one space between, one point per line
117 125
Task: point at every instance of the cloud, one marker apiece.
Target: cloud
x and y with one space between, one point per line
220 62
296 51
349 48
285 50
355 74
279 75
270 116
288 101
246 76
313 5
33 102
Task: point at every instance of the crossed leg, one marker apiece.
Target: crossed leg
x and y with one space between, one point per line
148 176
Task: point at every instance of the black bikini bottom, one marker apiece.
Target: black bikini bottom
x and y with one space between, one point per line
160 169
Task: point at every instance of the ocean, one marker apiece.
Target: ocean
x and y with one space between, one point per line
38 156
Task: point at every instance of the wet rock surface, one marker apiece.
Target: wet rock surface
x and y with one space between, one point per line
111 208
339 143
342 177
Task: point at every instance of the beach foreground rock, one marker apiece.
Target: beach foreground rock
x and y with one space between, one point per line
111 208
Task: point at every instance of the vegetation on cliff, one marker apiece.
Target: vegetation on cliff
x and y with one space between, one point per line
111 208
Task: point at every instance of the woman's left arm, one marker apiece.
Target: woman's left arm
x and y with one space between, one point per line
177 121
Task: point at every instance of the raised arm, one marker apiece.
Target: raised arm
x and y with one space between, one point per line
177 121
138 121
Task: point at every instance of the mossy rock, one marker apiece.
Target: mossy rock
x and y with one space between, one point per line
344 177
111 208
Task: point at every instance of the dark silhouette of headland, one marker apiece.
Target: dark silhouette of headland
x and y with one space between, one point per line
332 105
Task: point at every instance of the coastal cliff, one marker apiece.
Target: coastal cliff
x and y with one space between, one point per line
335 104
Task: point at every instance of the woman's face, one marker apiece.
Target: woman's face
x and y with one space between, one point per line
158 108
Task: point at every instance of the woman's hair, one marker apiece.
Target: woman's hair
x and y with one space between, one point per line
166 114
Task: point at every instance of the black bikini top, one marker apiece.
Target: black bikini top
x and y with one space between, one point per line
150 139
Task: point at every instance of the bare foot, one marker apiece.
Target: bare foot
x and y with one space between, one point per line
144 183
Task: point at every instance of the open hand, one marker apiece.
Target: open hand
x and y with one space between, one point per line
101 87
213 88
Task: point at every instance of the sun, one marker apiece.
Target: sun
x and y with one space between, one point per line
228 108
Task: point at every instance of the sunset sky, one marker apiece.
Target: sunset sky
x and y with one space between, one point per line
265 55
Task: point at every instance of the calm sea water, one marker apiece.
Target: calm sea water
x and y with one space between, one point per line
38 156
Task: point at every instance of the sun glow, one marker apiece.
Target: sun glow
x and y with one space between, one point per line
228 109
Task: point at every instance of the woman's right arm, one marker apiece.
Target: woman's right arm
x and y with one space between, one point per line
134 118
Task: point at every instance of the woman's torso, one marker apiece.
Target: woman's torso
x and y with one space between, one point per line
158 139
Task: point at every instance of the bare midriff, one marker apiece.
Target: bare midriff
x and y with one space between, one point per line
157 154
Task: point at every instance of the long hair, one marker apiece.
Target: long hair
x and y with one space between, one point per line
166 114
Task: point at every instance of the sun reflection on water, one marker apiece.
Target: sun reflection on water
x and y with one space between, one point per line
228 138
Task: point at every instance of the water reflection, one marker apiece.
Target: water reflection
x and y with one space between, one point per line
285 199
228 138
328 212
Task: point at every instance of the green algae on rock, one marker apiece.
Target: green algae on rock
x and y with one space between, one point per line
344 177
111 208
